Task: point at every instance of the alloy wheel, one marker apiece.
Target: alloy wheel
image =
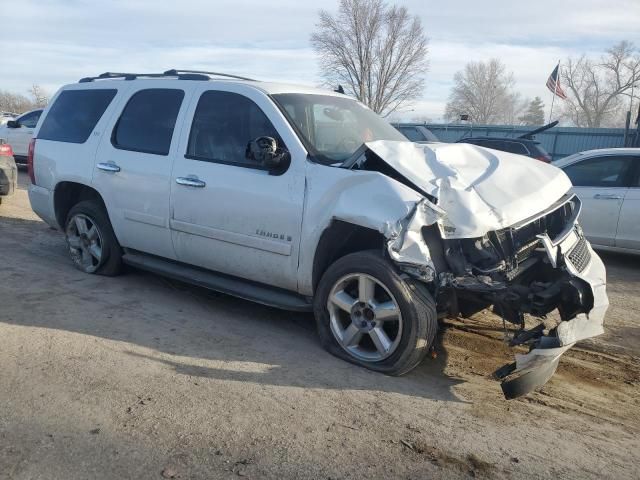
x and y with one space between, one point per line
365 318
85 242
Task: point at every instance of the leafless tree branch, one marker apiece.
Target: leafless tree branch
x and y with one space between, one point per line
376 51
595 89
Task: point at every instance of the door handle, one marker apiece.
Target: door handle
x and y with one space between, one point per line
109 167
190 182
607 196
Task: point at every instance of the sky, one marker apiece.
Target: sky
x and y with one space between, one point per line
65 40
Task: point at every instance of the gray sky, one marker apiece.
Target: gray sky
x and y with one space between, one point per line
53 42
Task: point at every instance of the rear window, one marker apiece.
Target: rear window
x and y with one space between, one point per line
514 147
74 115
147 122
539 151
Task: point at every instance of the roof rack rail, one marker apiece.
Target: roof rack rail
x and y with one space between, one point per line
174 71
181 74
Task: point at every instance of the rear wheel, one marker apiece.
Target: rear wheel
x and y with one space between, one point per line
93 246
368 314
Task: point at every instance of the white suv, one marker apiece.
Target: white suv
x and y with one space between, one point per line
305 199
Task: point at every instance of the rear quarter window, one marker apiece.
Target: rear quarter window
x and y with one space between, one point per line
74 115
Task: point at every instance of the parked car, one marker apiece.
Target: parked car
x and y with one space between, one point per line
521 146
304 199
417 133
8 171
18 133
607 181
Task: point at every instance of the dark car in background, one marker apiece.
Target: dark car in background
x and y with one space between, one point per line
521 146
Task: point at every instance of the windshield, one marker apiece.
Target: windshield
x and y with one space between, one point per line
334 128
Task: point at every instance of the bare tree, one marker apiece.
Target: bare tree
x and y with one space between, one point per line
14 102
484 91
596 89
39 95
18 103
377 52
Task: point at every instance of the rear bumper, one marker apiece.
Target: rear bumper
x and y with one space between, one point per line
41 200
535 368
20 160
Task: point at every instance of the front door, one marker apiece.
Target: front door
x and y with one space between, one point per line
628 235
230 214
133 167
601 185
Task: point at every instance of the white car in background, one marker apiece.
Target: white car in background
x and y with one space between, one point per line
18 133
607 181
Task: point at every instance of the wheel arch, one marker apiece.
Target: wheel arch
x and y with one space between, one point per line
341 238
67 194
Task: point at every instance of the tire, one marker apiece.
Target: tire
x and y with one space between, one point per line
409 337
97 232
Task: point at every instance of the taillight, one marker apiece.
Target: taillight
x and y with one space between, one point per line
6 150
30 153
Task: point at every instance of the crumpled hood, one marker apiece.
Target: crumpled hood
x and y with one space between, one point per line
479 189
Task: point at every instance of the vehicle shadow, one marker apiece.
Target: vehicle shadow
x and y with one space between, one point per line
191 330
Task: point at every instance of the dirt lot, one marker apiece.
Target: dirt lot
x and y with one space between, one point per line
141 377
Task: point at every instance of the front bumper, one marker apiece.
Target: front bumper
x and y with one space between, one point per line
535 368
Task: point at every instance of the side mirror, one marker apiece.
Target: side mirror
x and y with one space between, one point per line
13 124
265 151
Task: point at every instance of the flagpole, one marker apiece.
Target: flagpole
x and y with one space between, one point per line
555 89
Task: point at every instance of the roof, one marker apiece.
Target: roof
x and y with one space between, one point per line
601 151
197 75
501 139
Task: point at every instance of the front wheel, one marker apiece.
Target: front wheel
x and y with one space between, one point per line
368 314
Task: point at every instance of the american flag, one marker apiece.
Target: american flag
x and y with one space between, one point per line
553 83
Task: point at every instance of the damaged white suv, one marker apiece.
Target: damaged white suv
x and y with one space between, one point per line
306 200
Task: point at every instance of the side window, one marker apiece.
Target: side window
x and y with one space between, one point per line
74 115
636 180
411 133
30 120
147 121
223 125
600 172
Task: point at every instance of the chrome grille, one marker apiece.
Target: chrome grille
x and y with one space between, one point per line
580 256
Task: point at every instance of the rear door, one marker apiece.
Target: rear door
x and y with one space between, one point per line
133 165
601 183
628 234
229 214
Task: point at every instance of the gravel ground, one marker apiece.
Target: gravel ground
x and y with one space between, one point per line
142 377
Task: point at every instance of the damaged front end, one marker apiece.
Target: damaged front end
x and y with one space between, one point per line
535 267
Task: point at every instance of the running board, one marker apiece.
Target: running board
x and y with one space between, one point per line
255 292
